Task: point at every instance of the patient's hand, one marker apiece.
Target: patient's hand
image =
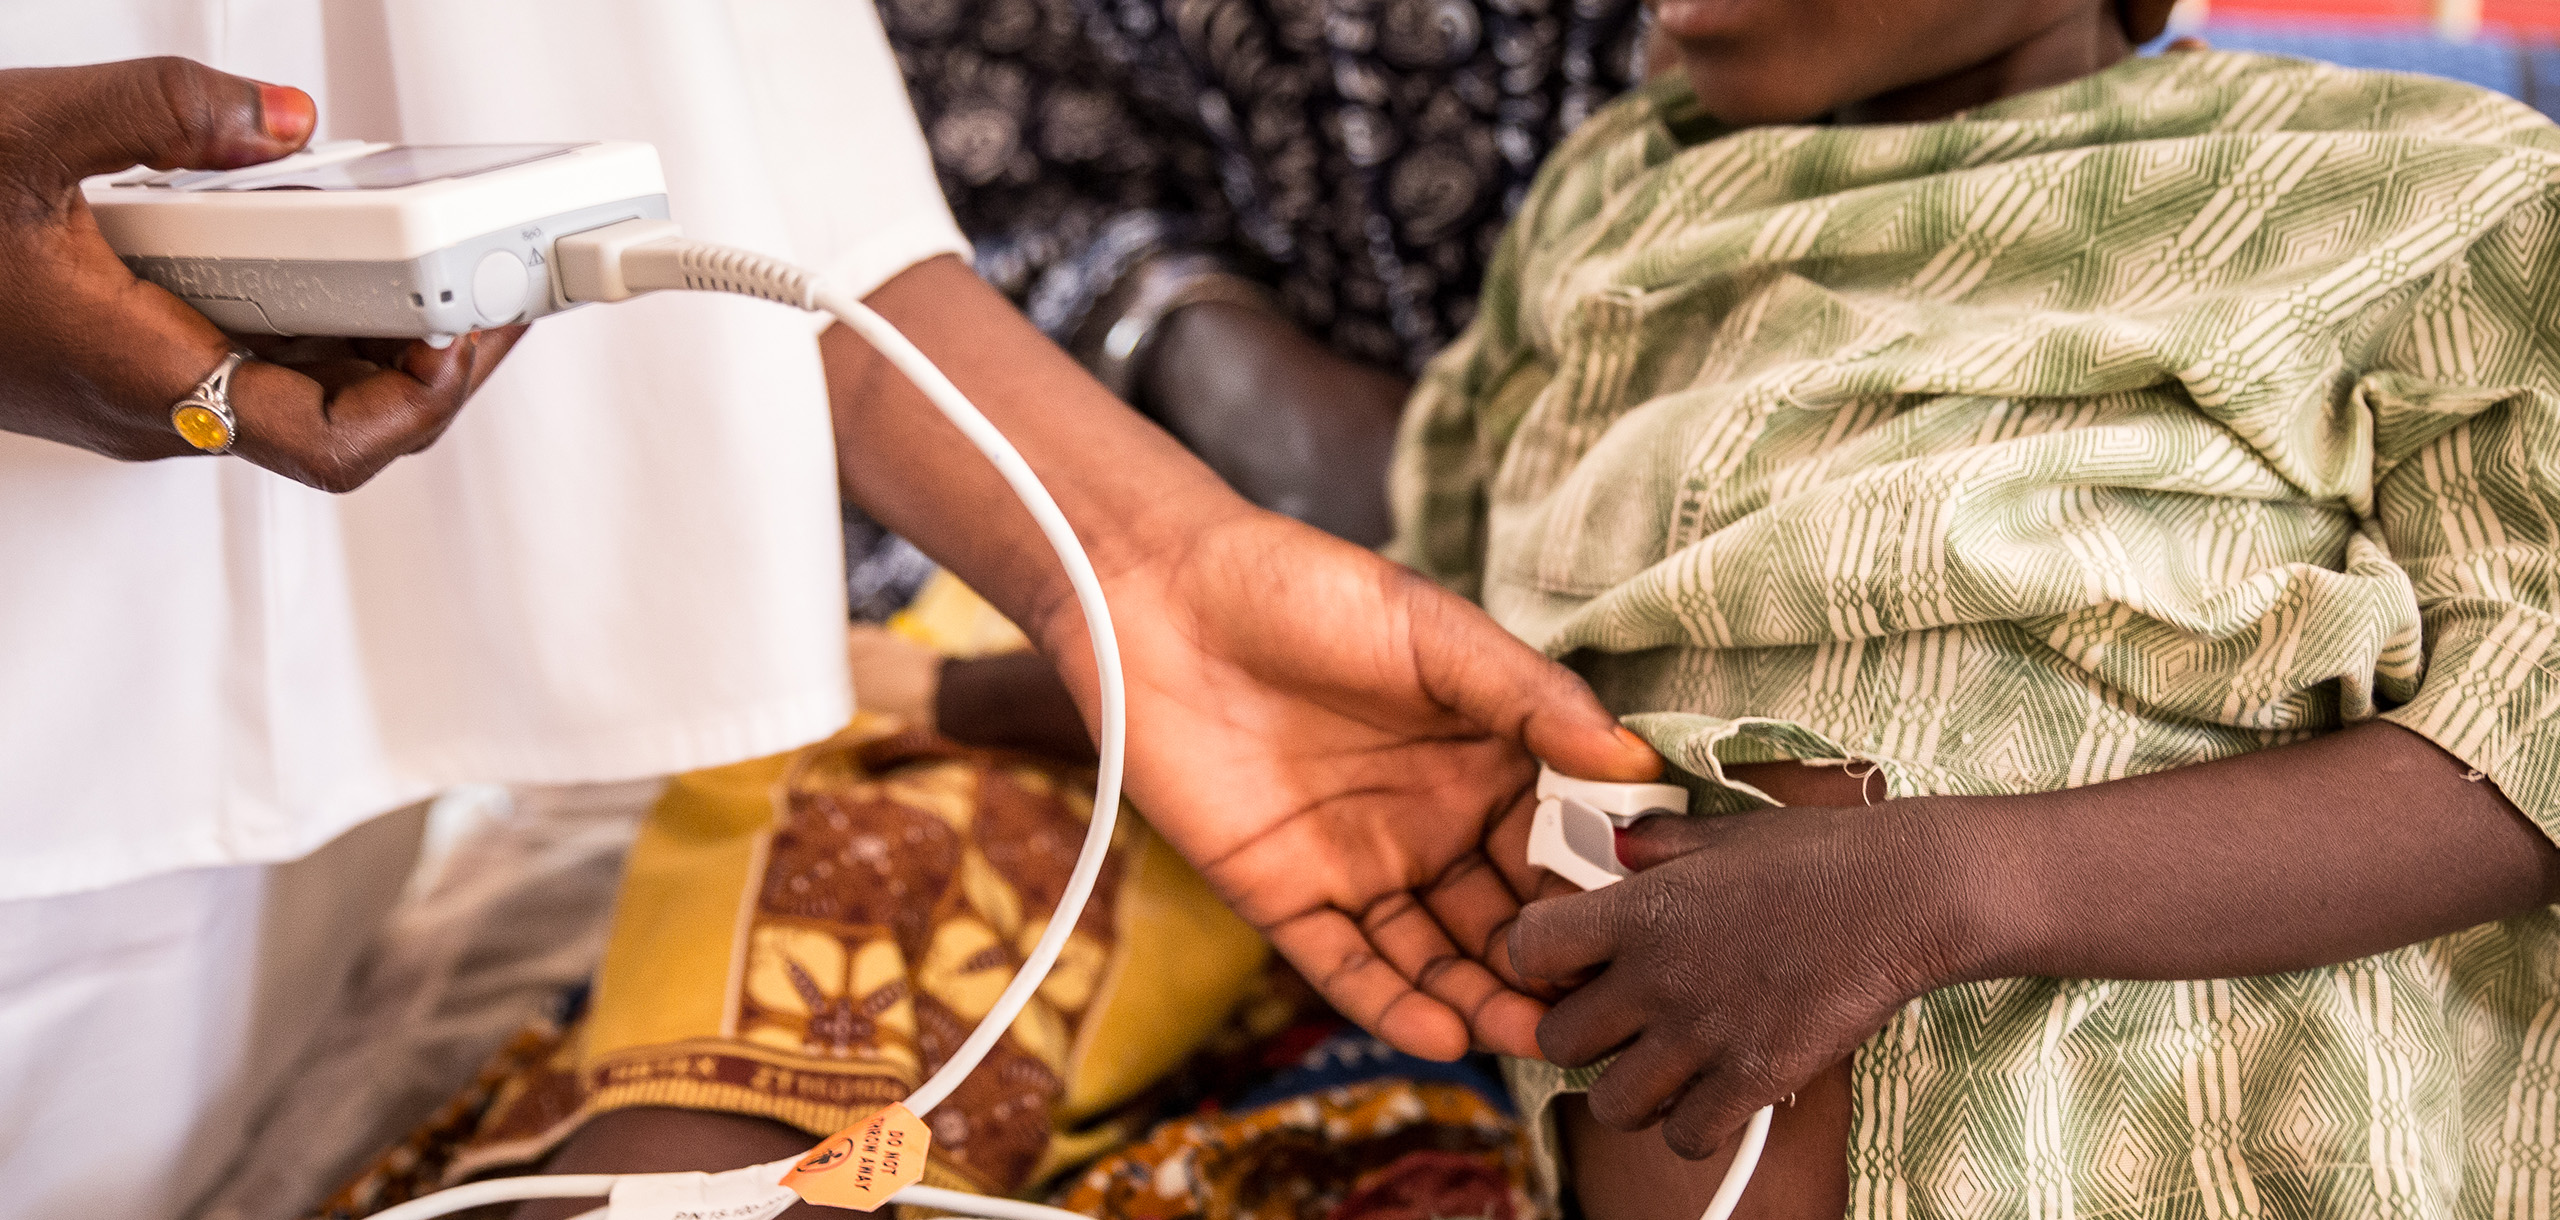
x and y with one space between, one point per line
1333 740
1755 952
1751 951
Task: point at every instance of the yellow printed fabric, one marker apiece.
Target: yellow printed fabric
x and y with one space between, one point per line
2197 406
805 938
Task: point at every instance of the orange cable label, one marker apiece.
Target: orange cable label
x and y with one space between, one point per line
862 1165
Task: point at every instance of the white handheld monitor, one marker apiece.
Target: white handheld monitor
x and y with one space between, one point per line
408 241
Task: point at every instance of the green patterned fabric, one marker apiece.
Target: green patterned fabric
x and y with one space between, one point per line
2200 405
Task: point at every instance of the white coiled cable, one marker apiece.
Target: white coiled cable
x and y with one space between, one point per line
626 259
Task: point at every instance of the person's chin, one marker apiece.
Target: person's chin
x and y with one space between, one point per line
1738 96
1721 20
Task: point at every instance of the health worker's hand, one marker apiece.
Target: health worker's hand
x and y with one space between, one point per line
1331 739
1748 954
1334 741
93 357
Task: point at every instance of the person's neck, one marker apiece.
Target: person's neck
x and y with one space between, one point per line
2088 41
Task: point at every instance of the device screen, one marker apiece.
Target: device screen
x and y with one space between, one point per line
406 165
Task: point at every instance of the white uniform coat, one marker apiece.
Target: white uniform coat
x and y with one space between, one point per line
622 560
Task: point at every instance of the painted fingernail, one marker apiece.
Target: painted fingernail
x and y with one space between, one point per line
287 113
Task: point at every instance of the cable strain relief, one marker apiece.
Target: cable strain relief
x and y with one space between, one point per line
703 267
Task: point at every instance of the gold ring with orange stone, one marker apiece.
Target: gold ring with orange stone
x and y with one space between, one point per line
203 418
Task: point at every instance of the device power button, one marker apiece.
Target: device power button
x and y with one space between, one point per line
498 286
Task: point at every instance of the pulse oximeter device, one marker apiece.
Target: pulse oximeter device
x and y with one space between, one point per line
406 241
1574 833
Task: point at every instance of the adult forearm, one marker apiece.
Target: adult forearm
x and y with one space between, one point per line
1328 737
2321 852
1129 489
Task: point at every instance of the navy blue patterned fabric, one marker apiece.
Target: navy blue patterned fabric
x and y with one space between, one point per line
1360 156
1352 1057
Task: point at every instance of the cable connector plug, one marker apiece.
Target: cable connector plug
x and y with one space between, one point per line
625 259
590 263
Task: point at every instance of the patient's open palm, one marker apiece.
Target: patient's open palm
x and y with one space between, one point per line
1333 740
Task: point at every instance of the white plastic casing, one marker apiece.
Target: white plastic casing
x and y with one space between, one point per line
422 242
1574 832
381 225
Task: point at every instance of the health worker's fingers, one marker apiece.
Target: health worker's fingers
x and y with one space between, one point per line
1501 962
1329 950
1475 906
1557 938
336 437
1506 843
1403 931
1436 969
1506 1021
1469 664
168 113
93 357
1467 907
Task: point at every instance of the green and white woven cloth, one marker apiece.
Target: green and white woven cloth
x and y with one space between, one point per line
2197 406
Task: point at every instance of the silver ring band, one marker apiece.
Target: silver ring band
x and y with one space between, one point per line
203 418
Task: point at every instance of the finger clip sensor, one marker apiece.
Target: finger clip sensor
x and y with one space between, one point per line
1575 831
1575 836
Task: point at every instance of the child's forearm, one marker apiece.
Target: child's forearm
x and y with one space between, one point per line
1747 953
2307 855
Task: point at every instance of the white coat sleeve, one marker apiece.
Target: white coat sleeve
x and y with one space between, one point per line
849 165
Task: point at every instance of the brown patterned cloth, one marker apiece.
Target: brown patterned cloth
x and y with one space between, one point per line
1386 1149
803 938
806 938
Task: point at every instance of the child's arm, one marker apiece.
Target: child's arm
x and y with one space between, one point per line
1759 949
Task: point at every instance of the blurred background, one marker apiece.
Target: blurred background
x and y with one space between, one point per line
2512 46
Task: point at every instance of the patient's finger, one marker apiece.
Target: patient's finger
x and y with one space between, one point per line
1555 938
1661 839
1329 950
1586 1026
1647 1078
